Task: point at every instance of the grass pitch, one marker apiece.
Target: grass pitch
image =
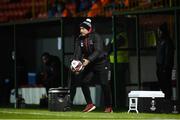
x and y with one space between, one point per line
10 113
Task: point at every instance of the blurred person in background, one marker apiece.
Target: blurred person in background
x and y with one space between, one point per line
122 67
165 60
50 73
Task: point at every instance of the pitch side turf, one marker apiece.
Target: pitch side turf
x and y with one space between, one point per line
10 113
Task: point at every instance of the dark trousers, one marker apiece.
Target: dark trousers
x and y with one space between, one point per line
164 80
101 72
77 82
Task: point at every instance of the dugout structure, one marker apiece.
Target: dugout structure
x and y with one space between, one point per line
143 18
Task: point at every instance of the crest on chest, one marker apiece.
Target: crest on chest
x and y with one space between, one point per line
89 42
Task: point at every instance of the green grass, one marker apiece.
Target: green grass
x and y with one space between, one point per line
10 113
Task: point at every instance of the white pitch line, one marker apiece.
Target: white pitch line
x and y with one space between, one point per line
34 113
60 114
47 114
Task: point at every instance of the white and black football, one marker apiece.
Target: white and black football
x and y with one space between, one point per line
77 65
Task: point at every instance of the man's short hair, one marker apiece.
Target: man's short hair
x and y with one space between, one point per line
46 54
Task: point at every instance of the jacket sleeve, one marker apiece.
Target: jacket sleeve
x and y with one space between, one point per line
77 50
98 48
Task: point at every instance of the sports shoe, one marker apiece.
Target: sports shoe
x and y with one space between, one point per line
89 108
108 110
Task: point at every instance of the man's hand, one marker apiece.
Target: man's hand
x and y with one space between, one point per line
74 71
85 62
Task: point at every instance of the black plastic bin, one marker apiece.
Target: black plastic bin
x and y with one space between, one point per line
59 99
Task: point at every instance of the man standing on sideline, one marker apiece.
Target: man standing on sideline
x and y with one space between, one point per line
90 50
165 60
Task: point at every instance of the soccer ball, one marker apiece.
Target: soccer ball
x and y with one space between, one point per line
76 65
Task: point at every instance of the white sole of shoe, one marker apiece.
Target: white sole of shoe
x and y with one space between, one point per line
94 107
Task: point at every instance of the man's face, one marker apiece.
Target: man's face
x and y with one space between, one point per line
45 59
83 31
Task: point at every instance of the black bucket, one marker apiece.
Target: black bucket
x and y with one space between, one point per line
59 99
